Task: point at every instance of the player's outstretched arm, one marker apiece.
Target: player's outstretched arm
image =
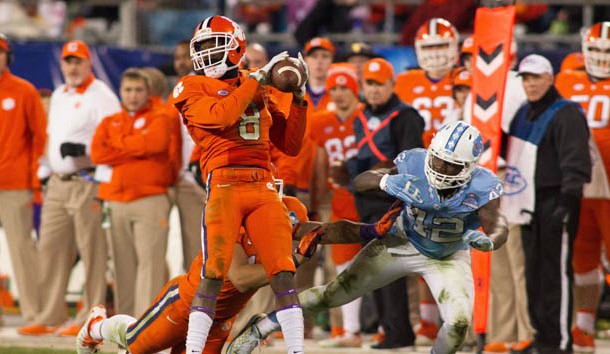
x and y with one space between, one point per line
244 276
369 180
494 223
341 231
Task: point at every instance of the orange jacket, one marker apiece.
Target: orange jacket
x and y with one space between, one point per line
23 125
137 149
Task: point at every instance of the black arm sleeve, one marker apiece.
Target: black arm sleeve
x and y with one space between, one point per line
407 129
571 135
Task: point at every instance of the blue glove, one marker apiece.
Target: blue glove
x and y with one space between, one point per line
400 187
478 240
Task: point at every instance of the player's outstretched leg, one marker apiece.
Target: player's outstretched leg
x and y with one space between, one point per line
450 281
98 328
85 343
372 268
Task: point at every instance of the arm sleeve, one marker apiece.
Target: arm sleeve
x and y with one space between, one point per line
571 140
152 140
287 134
407 129
101 152
209 112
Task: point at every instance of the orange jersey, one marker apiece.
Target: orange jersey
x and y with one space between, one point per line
595 101
234 121
137 149
338 140
23 127
433 100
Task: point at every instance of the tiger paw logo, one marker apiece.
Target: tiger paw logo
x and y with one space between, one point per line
178 89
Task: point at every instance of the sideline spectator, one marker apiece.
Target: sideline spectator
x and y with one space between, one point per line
545 193
23 132
135 144
71 215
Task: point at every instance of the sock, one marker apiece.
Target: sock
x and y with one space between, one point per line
268 325
291 321
113 329
351 310
199 328
585 320
428 311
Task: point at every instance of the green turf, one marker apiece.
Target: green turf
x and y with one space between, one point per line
20 350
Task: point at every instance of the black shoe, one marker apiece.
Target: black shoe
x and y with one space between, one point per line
390 345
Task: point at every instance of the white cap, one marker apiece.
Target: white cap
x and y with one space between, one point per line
535 64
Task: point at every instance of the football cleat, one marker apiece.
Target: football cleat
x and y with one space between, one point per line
85 344
248 338
346 340
584 342
425 333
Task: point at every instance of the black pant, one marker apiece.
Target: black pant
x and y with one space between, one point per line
549 273
391 300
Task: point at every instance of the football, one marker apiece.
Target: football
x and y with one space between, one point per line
287 75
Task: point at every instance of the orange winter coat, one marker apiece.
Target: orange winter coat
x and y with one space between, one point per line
23 125
137 149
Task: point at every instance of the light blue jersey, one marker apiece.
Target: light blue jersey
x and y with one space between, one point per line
434 226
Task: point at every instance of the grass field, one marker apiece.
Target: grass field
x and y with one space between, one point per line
21 350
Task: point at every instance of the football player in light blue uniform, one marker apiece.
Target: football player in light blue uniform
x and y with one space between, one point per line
446 197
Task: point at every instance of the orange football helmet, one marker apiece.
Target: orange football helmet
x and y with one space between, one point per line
296 211
436 45
218 45
596 50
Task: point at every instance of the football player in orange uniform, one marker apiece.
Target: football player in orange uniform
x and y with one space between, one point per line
231 116
590 88
164 324
333 133
428 89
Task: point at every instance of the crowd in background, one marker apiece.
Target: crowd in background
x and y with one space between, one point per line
111 168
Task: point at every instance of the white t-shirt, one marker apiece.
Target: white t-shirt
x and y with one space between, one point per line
73 117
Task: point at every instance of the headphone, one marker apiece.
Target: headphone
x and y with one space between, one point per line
9 53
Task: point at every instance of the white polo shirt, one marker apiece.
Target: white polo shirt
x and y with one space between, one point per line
74 114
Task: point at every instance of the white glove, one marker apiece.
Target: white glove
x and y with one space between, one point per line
262 75
478 240
303 89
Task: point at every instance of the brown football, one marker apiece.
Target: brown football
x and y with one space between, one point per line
287 75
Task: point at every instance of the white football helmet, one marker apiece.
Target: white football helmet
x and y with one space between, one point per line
436 45
457 143
595 48
227 49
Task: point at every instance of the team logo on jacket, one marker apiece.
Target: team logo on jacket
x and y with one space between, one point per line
139 123
178 89
471 201
223 93
514 180
8 104
579 87
418 89
373 123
